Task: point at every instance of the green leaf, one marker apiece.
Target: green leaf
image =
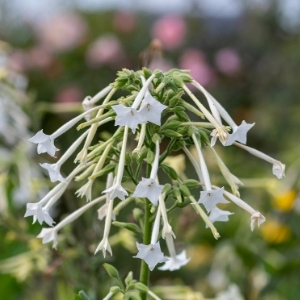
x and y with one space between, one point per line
170 133
107 169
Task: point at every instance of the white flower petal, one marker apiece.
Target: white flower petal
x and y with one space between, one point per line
239 134
49 235
41 215
54 172
175 263
151 110
116 191
258 218
219 215
148 188
211 198
151 254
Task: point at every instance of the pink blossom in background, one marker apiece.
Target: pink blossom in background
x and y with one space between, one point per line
61 32
124 21
228 61
69 93
17 61
170 30
39 58
194 60
106 50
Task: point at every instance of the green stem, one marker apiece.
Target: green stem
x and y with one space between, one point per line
145 272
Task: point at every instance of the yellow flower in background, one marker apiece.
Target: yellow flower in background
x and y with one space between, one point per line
275 232
285 201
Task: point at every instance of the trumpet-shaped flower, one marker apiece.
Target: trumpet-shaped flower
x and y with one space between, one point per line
49 235
219 215
45 143
175 262
239 133
102 212
127 116
39 213
151 110
151 254
258 218
148 188
116 191
85 190
54 172
211 198
104 246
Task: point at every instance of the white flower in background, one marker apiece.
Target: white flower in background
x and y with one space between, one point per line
232 293
54 172
39 213
151 254
239 133
219 215
102 212
211 198
127 116
148 188
151 110
49 235
45 143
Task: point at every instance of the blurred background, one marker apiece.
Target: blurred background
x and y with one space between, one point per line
246 53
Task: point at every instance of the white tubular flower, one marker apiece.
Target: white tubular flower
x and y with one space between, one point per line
130 116
151 110
46 142
86 190
175 262
219 131
102 212
54 169
87 105
39 213
127 116
104 244
141 138
117 191
167 228
256 216
151 254
148 187
219 215
239 133
211 198
278 167
49 235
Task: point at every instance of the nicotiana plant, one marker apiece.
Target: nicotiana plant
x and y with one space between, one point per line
154 112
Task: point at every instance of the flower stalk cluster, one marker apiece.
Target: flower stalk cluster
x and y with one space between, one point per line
155 112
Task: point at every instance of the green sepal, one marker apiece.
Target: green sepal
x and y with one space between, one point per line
191 183
182 116
107 169
113 273
129 226
81 296
184 190
170 133
147 72
170 171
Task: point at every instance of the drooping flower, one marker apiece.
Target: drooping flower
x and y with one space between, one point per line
151 110
148 188
49 235
45 143
127 116
278 167
175 262
151 254
211 198
258 218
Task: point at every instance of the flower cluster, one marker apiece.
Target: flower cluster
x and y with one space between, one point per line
153 111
